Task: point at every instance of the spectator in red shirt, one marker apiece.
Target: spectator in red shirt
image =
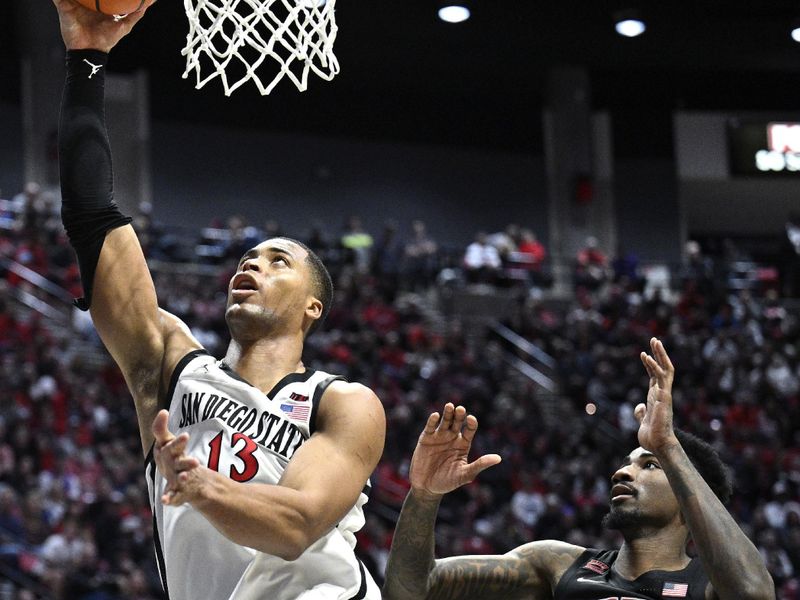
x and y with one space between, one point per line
533 249
591 268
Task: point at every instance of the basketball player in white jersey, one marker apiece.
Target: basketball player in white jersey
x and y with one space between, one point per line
257 466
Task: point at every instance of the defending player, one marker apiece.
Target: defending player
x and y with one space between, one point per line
667 490
260 494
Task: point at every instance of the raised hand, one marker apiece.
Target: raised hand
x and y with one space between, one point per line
83 29
655 418
441 460
172 461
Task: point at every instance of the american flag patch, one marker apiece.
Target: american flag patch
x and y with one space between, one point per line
296 412
675 590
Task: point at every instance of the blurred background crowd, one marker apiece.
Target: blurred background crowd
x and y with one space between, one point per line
553 382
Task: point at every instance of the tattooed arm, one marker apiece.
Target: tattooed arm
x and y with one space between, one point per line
529 571
440 464
733 564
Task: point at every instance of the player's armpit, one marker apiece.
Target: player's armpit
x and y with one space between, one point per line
532 570
178 341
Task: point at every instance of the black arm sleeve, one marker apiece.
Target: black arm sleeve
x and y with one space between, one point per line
88 210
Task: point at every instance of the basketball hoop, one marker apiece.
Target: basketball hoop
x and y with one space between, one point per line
236 40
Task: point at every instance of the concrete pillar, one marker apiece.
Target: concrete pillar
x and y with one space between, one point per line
128 123
579 164
42 80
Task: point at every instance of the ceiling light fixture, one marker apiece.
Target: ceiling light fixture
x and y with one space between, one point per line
796 33
629 23
630 27
454 13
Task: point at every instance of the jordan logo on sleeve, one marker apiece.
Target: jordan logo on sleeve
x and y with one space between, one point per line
95 68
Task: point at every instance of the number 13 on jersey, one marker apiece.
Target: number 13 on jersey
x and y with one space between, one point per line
242 447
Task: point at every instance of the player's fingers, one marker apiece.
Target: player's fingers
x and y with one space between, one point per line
160 429
481 464
659 354
166 467
173 498
171 486
174 487
173 447
639 412
458 418
130 19
654 369
177 445
158 454
663 357
430 424
470 428
643 357
138 14
654 351
186 463
447 416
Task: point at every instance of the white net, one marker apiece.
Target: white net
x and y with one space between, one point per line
243 40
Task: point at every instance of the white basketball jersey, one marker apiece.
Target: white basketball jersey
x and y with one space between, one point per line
250 436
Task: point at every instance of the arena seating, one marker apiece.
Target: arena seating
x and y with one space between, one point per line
74 519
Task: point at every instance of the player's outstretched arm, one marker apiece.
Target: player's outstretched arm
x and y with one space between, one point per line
108 251
733 564
441 464
320 485
116 281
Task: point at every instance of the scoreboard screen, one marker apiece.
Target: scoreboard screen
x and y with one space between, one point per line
771 148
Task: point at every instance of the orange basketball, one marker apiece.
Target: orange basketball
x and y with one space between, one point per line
112 7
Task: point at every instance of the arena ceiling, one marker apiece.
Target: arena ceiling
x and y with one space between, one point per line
408 76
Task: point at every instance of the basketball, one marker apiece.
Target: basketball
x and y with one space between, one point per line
112 7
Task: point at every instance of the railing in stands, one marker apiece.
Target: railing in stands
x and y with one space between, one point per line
57 310
18 578
520 342
36 280
531 373
40 306
10 543
539 365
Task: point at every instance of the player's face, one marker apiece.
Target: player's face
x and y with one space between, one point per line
641 496
271 283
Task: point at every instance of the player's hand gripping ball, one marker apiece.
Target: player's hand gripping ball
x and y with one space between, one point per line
112 7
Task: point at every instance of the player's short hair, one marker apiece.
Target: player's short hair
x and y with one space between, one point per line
321 282
708 463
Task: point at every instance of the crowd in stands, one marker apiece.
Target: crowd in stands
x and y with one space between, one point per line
74 519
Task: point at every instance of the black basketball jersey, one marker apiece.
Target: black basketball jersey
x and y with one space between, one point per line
591 577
